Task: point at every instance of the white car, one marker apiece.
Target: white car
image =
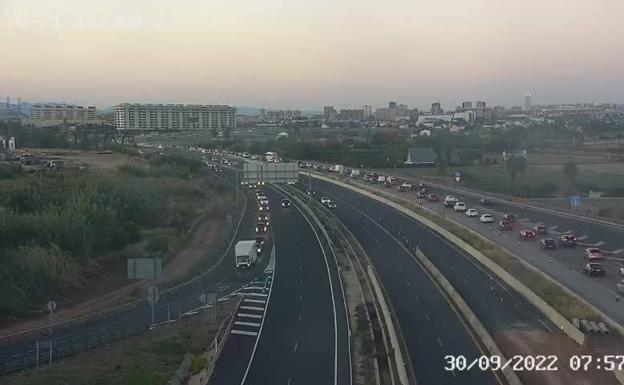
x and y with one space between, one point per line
264 202
472 213
486 218
291 182
459 206
325 200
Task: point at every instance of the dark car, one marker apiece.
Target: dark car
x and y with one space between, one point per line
505 226
568 240
594 269
421 195
509 217
259 240
548 244
527 235
485 202
541 230
285 203
433 198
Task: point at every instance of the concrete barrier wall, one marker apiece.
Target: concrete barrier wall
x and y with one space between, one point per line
394 340
533 298
467 312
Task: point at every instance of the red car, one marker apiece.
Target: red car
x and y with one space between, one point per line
568 240
527 234
505 226
593 254
433 198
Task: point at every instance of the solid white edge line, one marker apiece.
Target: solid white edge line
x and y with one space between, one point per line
331 289
253 352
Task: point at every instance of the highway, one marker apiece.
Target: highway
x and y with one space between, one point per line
429 324
563 264
298 335
20 351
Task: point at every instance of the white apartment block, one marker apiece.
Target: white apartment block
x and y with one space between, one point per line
44 115
173 117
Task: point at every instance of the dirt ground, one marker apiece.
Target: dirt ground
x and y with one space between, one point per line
532 343
101 160
605 208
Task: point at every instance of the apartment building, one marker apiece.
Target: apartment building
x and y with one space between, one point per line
173 117
45 115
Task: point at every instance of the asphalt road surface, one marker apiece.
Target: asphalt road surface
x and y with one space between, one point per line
563 264
301 330
430 325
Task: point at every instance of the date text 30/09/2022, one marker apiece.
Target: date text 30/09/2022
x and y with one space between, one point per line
544 363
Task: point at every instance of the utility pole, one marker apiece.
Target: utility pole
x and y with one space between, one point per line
310 188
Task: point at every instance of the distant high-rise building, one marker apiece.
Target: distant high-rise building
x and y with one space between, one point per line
356 114
499 112
329 113
480 104
467 105
392 104
436 109
527 102
385 114
173 117
368 111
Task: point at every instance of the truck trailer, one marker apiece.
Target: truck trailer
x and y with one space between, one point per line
245 253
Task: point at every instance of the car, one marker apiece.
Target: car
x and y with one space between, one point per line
509 217
261 228
387 184
594 269
527 234
252 186
433 198
449 201
291 182
505 226
459 207
264 208
485 202
548 244
405 187
264 202
567 240
263 217
593 254
421 195
285 203
486 218
310 192
540 230
331 205
414 187
324 200
472 213
259 240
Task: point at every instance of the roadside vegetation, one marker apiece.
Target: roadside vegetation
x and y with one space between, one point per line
58 228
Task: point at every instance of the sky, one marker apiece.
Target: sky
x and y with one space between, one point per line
309 53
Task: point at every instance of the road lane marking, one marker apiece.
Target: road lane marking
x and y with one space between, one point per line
252 308
427 316
256 294
243 323
296 345
244 332
247 315
255 300
439 342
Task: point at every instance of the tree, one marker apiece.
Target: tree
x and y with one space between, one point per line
570 169
514 166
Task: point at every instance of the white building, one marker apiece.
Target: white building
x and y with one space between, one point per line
46 115
173 117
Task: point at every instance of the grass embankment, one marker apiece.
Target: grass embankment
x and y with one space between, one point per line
149 359
566 304
60 231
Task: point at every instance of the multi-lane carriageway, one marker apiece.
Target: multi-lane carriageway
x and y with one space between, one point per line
292 327
429 323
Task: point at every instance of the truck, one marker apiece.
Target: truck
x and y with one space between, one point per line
355 173
245 253
338 168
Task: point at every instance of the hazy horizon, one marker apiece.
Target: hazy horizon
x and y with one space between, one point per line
302 54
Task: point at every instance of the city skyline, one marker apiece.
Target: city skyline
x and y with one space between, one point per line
272 54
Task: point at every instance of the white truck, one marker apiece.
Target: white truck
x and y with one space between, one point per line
245 253
338 168
355 173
